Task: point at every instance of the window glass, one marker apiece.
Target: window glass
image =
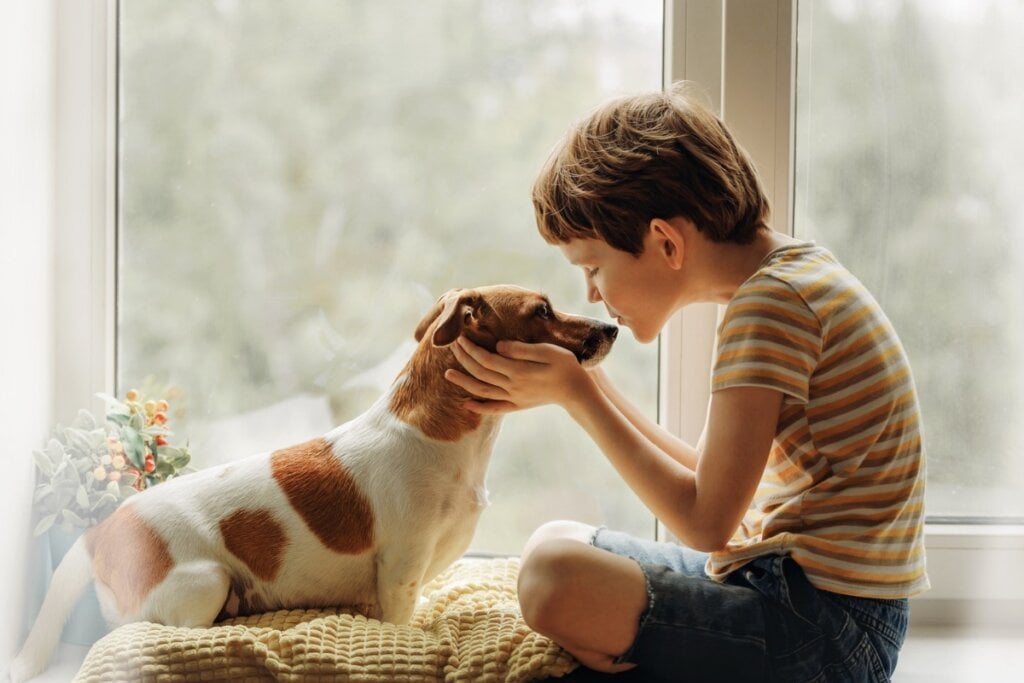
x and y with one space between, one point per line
300 181
908 166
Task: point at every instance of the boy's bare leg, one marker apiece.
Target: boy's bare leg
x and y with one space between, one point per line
586 599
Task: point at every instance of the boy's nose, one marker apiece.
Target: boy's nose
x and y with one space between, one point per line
593 296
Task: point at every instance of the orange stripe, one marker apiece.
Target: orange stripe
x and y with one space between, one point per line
862 368
750 357
737 333
808 561
888 383
759 378
895 496
879 551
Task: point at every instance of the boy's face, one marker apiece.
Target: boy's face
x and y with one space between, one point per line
636 290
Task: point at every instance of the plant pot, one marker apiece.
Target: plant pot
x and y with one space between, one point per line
86 624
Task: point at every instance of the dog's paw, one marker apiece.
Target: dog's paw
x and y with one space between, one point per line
21 670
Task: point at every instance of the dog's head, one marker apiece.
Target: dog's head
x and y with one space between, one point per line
487 315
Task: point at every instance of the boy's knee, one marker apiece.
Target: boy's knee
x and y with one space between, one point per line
556 530
546 577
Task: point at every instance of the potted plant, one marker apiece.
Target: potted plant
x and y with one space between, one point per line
88 468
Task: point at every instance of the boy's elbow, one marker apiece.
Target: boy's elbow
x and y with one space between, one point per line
705 538
710 542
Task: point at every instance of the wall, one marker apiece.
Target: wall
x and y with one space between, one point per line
26 284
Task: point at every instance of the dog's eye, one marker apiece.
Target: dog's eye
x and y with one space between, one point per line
543 311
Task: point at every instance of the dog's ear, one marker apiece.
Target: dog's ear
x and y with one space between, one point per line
458 313
432 314
451 311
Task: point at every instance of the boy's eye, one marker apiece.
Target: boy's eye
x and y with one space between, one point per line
591 272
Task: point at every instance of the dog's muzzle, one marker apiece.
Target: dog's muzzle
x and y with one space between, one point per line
598 340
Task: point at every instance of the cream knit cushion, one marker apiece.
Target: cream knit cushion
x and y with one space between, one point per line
468 629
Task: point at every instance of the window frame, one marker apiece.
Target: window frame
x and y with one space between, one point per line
743 51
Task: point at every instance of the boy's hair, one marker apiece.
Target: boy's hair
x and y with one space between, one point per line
657 155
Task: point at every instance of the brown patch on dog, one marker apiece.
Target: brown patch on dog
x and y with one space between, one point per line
429 402
324 494
257 539
129 557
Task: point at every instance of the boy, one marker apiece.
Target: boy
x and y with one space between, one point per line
801 508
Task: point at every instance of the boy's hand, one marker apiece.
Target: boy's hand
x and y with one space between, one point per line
519 376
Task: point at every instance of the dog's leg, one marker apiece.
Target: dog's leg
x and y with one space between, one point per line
399 579
192 595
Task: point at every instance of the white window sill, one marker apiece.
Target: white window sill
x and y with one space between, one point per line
975 573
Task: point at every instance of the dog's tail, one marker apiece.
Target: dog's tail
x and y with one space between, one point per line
70 580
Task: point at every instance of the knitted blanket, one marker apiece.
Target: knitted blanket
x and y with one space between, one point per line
469 628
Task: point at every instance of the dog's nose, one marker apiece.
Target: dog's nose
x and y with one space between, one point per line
611 331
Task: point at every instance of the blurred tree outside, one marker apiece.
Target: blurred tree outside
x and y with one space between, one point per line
299 182
908 149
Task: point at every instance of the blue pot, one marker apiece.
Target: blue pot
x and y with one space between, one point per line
86 624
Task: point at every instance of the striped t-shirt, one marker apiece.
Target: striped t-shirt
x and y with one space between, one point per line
843 490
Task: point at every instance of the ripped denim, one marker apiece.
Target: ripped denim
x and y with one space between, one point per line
766 622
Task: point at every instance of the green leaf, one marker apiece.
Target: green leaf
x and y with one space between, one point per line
44 525
85 420
105 499
78 440
119 420
42 491
134 447
55 450
114 406
98 439
169 452
113 487
82 498
43 463
71 518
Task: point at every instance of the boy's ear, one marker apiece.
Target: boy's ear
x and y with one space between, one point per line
668 239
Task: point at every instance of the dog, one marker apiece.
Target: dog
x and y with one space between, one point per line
361 517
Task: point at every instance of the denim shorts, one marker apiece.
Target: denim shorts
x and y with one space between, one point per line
765 622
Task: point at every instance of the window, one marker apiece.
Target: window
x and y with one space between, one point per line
908 148
299 182
744 55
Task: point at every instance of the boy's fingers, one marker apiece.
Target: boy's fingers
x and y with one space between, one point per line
475 386
491 361
475 368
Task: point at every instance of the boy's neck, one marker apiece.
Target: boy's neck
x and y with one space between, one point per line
729 265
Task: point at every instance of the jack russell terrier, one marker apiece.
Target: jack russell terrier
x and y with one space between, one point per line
362 516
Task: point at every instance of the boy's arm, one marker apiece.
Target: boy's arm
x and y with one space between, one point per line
702 506
680 450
